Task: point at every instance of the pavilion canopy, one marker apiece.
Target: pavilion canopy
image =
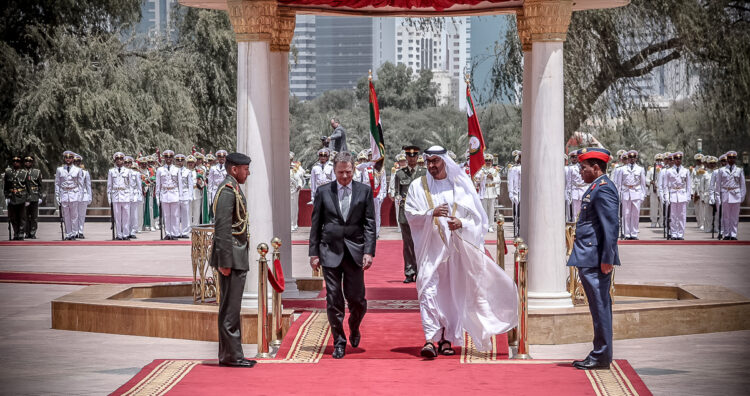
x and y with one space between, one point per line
432 8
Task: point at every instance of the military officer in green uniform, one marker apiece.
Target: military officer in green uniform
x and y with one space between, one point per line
230 256
404 177
14 188
34 197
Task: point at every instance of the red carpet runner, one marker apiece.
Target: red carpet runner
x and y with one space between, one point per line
386 362
83 279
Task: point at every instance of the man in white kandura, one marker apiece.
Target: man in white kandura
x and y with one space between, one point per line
459 287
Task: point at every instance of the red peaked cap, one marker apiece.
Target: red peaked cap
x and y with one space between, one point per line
595 153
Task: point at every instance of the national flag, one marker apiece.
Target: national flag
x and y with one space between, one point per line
476 141
377 142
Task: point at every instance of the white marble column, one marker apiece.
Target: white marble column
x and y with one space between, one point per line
547 21
526 108
282 216
254 138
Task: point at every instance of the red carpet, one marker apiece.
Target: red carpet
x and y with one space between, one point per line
387 360
83 279
384 377
134 242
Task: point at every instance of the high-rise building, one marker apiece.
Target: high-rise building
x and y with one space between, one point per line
156 19
444 50
343 51
302 66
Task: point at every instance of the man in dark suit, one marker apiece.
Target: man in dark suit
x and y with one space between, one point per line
595 251
229 254
342 240
338 138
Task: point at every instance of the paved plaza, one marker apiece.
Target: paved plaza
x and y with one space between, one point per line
39 360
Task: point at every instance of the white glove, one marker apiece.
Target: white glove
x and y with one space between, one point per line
40 201
27 204
7 202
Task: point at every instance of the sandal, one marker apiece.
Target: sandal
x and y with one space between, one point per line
428 350
445 351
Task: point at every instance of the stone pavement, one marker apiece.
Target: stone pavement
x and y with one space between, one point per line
39 360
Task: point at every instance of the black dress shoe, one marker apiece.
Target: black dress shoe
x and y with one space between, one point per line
339 352
242 363
132 237
408 280
354 338
32 237
80 236
590 364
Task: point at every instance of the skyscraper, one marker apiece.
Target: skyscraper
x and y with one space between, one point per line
302 59
343 47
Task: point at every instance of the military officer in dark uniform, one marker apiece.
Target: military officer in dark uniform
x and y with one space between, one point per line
404 177
34 197
14 188
229 254
595 251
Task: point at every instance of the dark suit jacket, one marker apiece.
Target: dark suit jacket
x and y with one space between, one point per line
330 234
228 250
597 228
338 140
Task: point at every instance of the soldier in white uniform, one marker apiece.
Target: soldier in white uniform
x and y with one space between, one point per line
488 178
216 174
730 186
704 192
187 183
697 207
168 192
136 196
632 194
575 187
514 191
68 190
399 164
679 185
321 173
662 191
296 182
86 195
652 179
120 195
196 203
377 181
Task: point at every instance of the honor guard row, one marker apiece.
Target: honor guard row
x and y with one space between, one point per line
22 191
178 192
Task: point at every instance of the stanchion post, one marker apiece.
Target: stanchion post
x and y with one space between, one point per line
570 236
513 333
500 241
523 345
263 351
276 328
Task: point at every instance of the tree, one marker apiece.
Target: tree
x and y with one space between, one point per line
608 50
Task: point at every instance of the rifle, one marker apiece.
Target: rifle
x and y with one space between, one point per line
570 212
669 218
664 219
161 222
721 209
62 222
622 232
10 232
713 220
112 219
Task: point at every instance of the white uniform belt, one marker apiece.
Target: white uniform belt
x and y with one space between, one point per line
68 188
169 188
580 185
632 185
119 188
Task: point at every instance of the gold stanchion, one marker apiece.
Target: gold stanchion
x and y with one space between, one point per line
513 333
570 237
263 303
523 345
276 328
500 241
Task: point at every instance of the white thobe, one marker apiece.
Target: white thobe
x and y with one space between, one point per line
459 287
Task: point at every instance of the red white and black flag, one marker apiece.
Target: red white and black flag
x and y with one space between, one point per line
476 141
377 142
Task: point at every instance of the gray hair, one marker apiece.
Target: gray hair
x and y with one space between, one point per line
343 156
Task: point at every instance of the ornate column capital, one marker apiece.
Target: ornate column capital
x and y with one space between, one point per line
283 29
547 20
524 33
252 20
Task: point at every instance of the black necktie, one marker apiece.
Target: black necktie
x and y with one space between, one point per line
168 167
631 166
67 168
731 168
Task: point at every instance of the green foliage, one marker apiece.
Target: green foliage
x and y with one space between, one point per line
96 92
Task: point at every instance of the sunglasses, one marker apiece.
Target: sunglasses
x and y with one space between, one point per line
412 154
322 155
